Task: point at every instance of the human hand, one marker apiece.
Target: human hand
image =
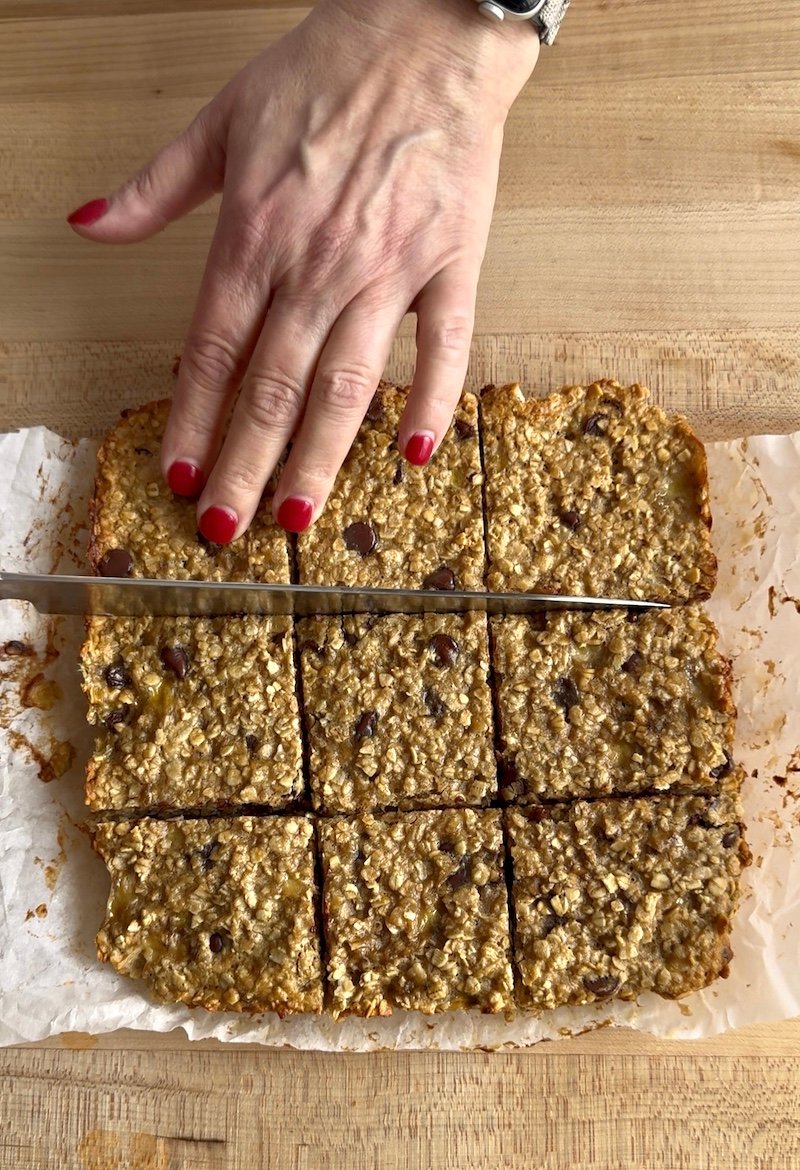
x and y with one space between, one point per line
358 160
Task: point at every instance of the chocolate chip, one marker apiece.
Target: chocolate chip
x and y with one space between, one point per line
601 985
596 424
117 676
463 429
461 875
216 943
375 408
399 474
211 548
633 664
565 695
360 538
724 769
206 855
309 647
549 923
365 727
16 649
176 659
115 718
508 779
350 636
143 451
442 578
117 562
251 741
434 704
730 837
444 650
726 954
613 403
570 519
634 615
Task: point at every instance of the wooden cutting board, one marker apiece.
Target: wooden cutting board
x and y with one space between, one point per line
647 226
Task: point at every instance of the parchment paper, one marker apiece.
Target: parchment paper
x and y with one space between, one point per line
53 888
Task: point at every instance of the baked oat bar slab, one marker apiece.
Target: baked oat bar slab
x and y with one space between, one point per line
618 897
605 703
140 529
398 711
387 523
595 491
217 914
192 713
415 913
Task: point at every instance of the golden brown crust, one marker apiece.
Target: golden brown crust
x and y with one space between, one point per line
423 519
618 897
133 509
217 914
594 491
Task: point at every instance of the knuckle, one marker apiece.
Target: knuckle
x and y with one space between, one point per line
241 479
143 185
273 399
448 336
344 390
209 361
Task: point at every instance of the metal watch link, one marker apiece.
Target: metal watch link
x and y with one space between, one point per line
545 15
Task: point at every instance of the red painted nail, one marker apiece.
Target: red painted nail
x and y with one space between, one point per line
185 479
218 524
295 514
419 448
90 213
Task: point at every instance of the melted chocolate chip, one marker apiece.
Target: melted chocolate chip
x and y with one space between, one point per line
508 779
634 615
633 664
211 548
399 474
311 648
570 519
724 769
375 409
360 538
461 875
115 718
549 923
176 659
143 451
251 742
565 695
365 726
442 578
277 639
601 985
117 562
216 943
596 424
434 703
730 837
444 649
117 676
613 404
350 636
206 855
463 429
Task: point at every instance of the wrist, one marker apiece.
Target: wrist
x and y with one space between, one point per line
495 58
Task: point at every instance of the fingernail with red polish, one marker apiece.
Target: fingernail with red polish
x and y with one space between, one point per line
419 448
88 214
218 524
185 479
295 514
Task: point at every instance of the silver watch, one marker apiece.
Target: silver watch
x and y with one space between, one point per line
545 15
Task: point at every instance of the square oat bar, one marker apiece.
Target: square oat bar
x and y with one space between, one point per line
390 524
192 713
217 914
415 913
398 711
605 703
596 492
140 529
617 897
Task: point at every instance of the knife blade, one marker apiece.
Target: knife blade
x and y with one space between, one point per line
142 597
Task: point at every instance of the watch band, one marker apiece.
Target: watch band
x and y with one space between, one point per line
549 19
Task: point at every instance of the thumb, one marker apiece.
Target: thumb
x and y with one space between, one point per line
185 173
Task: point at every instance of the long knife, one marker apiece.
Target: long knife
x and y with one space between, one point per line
142 597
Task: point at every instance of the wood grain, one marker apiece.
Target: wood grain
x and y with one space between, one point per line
646 227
